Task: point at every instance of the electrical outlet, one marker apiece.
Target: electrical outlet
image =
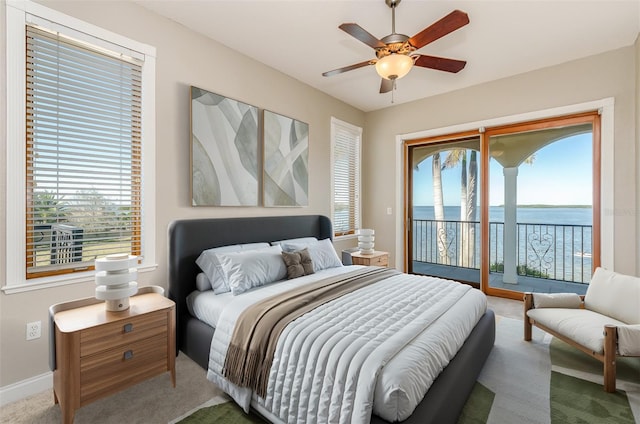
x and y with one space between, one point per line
34 330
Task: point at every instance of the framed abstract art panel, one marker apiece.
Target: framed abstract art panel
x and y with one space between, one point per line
286 161
224 151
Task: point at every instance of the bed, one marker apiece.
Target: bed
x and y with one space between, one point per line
445 398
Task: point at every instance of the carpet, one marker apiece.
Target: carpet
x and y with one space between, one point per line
544 381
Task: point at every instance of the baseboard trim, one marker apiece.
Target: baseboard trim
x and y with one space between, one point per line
25 388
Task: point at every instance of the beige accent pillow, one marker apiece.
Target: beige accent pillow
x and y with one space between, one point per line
556 300
298 263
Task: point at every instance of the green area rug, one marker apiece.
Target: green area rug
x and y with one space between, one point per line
577 401
478 406
544 381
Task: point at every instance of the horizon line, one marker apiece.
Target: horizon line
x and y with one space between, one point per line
527 205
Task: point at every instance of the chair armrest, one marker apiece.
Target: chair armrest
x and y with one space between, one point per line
629 340
528 302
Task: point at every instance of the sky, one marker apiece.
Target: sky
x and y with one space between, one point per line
560 175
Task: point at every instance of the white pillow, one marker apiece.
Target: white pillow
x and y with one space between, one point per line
202 282
297 241
254 268
323 255
210 264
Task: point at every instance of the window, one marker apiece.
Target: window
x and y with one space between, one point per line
346 145
79 138
83 154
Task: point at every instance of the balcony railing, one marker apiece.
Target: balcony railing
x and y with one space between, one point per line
549 251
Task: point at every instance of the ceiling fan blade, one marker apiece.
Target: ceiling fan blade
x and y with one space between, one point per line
348 68
440 63
361 34
386 85
444 26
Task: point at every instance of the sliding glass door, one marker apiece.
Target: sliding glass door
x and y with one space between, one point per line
445 215
510 209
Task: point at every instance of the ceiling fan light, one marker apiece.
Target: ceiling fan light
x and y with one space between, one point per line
394 66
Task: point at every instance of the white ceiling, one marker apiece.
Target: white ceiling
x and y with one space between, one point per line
504 37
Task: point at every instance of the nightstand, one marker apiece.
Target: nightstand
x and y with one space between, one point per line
100 352
376 258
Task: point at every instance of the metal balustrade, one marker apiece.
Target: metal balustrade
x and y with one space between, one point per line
548 251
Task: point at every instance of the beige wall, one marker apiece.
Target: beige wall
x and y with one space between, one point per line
637 116
611 74
183 59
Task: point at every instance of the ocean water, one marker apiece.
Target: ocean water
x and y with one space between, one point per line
528 215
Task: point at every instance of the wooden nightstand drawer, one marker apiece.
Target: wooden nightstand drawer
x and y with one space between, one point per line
106 372
376 258
97 339
380 261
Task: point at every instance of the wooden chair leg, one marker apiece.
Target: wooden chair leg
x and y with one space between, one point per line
610 342
528 304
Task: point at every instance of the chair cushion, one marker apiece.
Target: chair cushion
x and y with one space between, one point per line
580 325
615 295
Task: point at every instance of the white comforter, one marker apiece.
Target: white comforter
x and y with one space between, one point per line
374 350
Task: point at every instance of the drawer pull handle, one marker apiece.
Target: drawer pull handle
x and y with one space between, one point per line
128 328
128 355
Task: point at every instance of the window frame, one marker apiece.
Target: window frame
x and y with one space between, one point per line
18 14
335 122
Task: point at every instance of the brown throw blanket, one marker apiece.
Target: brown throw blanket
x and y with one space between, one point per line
253 343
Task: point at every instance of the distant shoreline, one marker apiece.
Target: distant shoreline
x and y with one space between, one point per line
540 206
553 206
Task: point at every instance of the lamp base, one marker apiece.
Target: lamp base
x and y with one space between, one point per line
117 305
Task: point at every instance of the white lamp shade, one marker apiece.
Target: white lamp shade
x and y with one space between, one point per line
111 293
394 66
366 237
115 280
116 262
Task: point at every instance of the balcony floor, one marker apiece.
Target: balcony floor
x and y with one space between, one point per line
525 284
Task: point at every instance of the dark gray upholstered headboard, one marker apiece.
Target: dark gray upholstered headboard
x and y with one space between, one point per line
188 238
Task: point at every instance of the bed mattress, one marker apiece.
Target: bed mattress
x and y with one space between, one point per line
398 385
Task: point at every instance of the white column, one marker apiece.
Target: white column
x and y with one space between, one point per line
510 225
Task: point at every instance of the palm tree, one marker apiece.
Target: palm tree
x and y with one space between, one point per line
438 206
468 202
472 202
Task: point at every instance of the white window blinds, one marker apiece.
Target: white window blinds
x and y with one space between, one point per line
83 154
346 177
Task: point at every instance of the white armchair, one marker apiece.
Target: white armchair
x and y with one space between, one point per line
605 323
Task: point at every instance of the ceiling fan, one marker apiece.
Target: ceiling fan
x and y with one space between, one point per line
395 52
